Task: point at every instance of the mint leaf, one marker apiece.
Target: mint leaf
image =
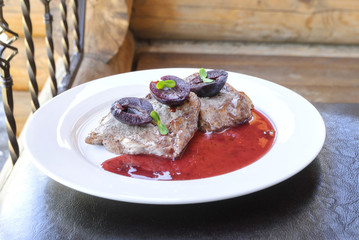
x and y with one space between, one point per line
170 83
207 80
202 73
167 83
160 85
162 128
203 76
155 117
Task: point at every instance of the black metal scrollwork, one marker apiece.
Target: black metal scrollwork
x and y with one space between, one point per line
29 45
7 52
65 39
50 46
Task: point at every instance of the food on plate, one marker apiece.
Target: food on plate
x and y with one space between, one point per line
151 134
121 138
132 111
171 96
207 84
206 155
227 108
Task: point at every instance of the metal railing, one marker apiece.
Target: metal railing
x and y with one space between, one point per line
71 63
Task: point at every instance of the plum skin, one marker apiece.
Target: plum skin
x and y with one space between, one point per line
132 111
211 89
171 96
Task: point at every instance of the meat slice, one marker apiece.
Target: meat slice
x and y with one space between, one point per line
120 138
228 108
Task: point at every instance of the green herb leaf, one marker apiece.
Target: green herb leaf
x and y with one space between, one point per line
160 85
167 83
155 117
162 128
207 80
203 75
170 83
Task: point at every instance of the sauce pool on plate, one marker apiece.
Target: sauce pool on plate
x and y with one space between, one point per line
207 154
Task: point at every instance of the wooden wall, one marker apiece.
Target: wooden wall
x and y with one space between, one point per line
297 21
13 15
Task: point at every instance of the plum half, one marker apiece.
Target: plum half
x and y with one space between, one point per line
132 111
171 96
211 89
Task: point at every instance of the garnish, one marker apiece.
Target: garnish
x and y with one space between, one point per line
174 96
166 83
162 128
203 75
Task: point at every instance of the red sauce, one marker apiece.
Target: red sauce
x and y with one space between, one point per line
207 154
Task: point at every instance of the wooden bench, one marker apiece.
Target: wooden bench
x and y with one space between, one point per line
307 46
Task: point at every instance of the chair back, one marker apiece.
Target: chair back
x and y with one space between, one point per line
71 58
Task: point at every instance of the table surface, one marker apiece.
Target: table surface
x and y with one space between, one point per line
320 202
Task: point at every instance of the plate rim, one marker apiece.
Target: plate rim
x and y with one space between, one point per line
145 200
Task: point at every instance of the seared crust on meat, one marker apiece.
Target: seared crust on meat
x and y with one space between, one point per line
120 138
227 109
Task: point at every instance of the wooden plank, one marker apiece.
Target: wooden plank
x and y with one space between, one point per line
92 68
121 46
309 21
284 5
95 48
248 48
13 16
18 67
22 108
108 50
319 79
18 64
106 32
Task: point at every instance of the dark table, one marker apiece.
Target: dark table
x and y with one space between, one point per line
320 202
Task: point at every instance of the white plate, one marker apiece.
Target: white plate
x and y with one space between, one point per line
54 136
